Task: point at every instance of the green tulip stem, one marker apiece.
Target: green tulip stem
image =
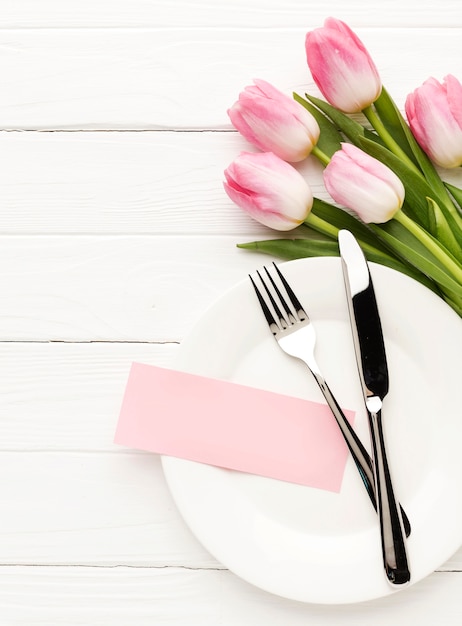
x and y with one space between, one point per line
383 133
320 155
317 223
453 267
326 228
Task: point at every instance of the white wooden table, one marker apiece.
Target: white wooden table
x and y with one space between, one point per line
116 235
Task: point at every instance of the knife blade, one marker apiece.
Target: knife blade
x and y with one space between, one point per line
373 372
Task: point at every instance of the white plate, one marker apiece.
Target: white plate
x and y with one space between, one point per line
312 545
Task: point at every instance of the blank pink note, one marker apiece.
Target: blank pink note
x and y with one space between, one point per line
232 426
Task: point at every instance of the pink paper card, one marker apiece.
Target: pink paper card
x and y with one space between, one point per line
232 426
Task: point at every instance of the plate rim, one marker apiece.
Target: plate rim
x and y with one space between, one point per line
169 463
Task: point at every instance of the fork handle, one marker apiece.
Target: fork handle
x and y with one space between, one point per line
359 453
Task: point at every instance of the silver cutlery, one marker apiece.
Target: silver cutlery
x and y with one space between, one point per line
295 334
373 372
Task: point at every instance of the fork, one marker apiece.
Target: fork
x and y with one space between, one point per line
295 334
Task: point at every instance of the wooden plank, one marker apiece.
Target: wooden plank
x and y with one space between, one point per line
82 508
36 596
149 289
91 509
129 183
64 396
124 183
119 79
238 13
73 496
129 289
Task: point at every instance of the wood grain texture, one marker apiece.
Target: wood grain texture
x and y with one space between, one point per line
114 288
115 236
59 397
124 183
101 510
72 508
234 13
78 596
129 183
93 503
151 79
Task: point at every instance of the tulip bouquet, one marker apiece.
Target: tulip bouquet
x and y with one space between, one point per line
382 173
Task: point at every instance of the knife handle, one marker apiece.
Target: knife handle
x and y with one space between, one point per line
359 453
391 524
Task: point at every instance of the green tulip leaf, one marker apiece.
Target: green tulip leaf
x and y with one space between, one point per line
413 251
453 301
394 122
397 126
456 193
341 219
330 139
450 238
351 129
290 249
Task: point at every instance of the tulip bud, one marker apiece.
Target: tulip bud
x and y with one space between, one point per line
274 122
342 67
269 189
364 185
434 113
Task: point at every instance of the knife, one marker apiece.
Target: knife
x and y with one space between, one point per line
372 366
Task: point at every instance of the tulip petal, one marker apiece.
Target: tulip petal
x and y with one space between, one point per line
454 96
434 113
341 67
274 122
269 189
363 184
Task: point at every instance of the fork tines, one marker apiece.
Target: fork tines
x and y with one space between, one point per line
279 303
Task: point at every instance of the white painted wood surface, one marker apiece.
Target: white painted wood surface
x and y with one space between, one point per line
115 236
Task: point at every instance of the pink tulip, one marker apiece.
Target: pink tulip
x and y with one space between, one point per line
342 67
363 184
434 113
269 189
274 122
